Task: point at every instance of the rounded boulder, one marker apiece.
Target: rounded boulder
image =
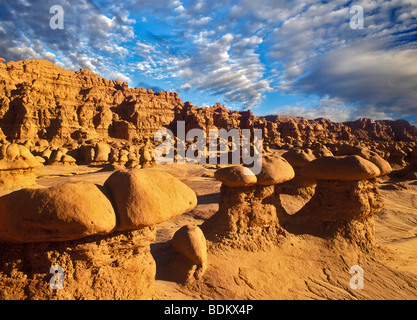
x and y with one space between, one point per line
298 158
147 197
236 176
190 241
274 170
341 168
66 212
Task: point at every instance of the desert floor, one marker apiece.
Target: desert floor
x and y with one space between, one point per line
299 267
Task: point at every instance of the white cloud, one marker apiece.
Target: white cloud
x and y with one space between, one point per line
214 68
91 38
369 75
235 50
116 75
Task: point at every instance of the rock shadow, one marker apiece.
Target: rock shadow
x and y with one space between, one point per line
170 265
209 198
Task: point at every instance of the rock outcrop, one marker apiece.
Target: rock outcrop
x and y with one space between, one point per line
346 197
190 242
39 100
145 197
107 267
66 212
17 166
247 215
99 251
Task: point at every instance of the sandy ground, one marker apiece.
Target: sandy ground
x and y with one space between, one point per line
300 267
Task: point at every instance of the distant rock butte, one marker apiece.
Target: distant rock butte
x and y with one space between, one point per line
39 100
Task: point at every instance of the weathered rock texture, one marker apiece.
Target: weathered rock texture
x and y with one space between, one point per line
345 199
65 212
300 186
39 100
245 218
17 166
73 226
145 198
247 215
117 266
190 243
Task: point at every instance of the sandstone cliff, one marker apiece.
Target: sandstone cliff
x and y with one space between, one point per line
39 100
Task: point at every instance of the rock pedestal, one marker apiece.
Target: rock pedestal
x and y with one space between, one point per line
346 196
247 215
117 266
101 251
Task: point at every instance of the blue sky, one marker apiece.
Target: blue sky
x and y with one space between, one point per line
298 58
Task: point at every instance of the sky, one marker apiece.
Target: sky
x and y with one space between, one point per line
302 58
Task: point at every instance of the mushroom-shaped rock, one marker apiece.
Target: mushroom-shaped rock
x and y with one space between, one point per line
396 157
347 150
298 157
322 151
190 241
65 212
247 211
17 166
68 160
55 157
236 176
300 186
274 170
95 267
341 168
382 164
147 197
346 196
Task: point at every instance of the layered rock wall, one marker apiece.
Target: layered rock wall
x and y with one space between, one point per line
39 100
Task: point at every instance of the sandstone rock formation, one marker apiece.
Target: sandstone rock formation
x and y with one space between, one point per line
345 168
107 267
247 214
17 166
190 242
39 100
274 170
75 226
300 186
236 176
346 197
145 197
66 212
364 152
